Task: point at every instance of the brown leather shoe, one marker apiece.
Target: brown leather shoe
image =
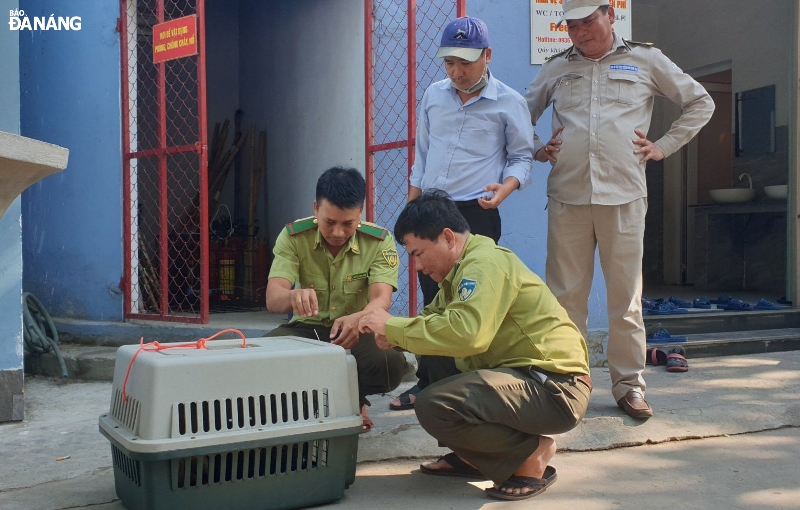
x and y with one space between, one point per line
635 406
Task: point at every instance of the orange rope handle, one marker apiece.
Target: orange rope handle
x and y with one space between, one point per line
155 347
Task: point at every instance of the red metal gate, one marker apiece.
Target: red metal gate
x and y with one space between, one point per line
402 37
164 168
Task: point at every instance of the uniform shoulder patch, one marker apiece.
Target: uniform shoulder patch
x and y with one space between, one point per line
391 258
466 288
301 225
559 54
637 43
372 230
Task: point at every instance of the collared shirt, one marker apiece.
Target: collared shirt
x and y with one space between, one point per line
342 282
492 311
460 148
600 103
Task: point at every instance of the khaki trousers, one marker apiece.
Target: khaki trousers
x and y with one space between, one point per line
574 232
378 371
493 418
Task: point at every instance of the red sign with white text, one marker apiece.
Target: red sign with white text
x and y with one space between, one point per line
176 38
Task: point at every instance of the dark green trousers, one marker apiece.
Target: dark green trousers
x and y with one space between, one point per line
493 418
378 371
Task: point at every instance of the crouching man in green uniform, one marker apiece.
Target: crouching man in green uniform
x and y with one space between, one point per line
524 364
331 269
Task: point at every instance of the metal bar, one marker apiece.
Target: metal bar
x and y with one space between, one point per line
163 248
461 8
369 106
166 318
203 120
371 149
412 126
167 151
126 162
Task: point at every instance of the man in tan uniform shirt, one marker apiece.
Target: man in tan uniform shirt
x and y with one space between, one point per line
602 91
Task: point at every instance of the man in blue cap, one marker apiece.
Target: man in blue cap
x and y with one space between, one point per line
474 141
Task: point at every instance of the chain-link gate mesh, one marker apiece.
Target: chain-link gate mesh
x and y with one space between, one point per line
390 99
163 155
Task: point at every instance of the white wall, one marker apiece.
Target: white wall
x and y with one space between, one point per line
302 73
755 36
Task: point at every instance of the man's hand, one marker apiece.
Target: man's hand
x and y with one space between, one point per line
499 192
547 152
647 149
344 331
304 302
375 322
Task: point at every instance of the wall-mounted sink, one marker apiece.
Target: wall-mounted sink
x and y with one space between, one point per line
732 195
778 192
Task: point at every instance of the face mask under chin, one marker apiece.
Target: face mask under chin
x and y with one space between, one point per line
478 85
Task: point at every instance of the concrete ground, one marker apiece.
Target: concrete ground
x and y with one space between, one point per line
725 435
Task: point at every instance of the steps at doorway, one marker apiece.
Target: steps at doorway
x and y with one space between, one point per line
720 321
733 343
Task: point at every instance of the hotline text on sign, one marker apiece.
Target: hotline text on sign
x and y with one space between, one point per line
175 39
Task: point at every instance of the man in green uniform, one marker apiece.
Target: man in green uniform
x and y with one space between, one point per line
331 269
525 366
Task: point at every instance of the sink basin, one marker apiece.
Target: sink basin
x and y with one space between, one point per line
776 192
732 195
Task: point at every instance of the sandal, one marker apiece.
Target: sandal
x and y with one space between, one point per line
405 399
659 356
457 468
736 305
366 425
676 363
535 486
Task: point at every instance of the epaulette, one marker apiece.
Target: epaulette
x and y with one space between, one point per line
637 43
560 53
301 225
372 230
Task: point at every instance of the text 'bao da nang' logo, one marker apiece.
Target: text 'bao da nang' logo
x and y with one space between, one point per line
19 21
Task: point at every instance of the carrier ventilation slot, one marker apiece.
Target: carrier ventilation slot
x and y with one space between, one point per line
222 415
250 464
126 413
126 465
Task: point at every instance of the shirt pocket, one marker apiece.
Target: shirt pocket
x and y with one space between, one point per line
621 87
355 295
569 92
481 131
320 285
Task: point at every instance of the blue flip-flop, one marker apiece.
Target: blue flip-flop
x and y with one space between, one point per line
664 337
736 305
763 304
666 308
680 303
702 302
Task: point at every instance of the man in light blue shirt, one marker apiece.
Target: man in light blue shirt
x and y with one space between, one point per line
474 141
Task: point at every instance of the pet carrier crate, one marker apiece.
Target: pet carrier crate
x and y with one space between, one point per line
271 425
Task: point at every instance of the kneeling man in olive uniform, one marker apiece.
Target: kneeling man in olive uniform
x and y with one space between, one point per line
524 364
331 269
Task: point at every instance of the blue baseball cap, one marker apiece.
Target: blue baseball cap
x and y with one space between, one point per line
464 38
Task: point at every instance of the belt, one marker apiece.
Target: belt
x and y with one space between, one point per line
467 203
585 379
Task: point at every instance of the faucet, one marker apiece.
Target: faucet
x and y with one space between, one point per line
749 179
